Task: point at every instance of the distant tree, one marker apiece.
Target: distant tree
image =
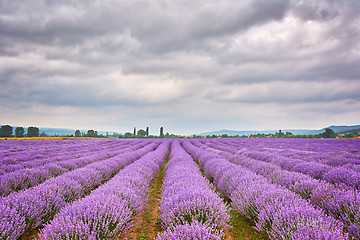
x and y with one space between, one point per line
33 132
91 133
43 134
349 135
19 132
77 133
147 131
6 131
134 131
329 133
281 134
141 133
128 135
224 136
161 132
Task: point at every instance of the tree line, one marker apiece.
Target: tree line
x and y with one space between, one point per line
141 133
328 133
7 131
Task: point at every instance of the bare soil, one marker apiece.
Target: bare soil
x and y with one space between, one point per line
34 234
147 224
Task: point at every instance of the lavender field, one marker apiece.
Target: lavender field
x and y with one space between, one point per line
97 188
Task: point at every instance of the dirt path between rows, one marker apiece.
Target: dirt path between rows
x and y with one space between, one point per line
33 235
147 224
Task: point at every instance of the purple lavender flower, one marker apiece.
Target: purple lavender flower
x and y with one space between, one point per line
39 204
189 207
342 203
109 210
272 208
190 231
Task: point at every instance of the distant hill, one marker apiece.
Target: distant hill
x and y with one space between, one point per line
337 129
66 131
58 131
350 131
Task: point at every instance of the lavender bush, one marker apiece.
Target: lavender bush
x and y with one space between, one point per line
341 203
189 231
34 174
35 206
273 209
189 207
109 210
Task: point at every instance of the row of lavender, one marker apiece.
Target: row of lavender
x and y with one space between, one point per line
33 176
348 174
190 209
274 209
105 215
109 210
26 210
332 152
27 148
15 152
338 201
345 147
40 155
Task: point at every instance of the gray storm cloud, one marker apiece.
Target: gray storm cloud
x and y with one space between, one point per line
176 63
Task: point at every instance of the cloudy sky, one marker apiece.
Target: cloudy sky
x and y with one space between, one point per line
189 66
